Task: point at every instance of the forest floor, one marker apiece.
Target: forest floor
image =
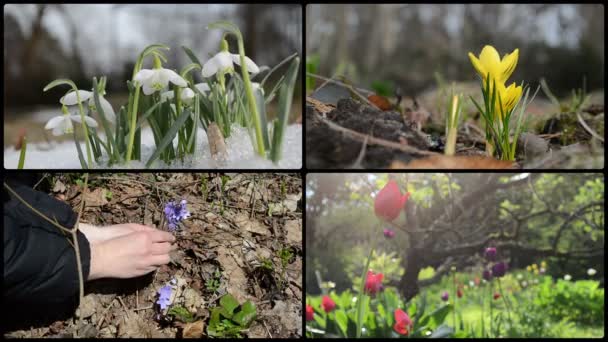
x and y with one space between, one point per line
344 132
244 238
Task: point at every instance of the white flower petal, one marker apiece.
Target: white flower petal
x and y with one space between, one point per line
251 66
108 111
89 120
202 87
187 94
71 98
220 61
174 77
167 95
143 75
148 89
54 122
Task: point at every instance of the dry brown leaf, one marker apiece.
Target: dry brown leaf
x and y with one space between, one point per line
455 162
319 106
243 221
194 330
96 198
217 146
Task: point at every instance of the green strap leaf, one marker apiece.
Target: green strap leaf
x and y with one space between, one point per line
60 82
169 136
22 153
285 98
192 56
83 163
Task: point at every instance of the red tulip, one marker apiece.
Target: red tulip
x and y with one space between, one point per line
327 304
309 313
373 282
459 293
496 295
389 201
403 323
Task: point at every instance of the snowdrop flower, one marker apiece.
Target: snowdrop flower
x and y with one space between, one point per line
567 277
63 124
202 87
224 61
157 79
187 95
591 272
71 99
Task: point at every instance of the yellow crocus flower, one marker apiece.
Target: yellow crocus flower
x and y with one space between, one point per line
489 62
508 97
543 264
529 268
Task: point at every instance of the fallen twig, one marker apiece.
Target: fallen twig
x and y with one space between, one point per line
374 141
587 128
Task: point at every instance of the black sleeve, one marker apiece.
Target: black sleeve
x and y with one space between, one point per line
39 262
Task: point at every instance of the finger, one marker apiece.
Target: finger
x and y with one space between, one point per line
160 248
160 259
148 269
140 227
161 236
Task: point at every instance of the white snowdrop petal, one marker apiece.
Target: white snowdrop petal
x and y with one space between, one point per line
108 111
174 78
89 120
143 75
251 66
54 122
202 87
217 63
147 89
71 98
187 94
167 95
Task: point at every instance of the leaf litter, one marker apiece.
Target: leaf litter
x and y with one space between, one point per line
243 239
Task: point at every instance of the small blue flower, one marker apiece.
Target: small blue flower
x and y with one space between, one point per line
164 297
175 213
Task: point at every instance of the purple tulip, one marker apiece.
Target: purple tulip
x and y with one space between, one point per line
487 275
499 269
389 233
445 296
490 254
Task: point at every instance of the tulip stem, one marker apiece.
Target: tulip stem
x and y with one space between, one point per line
361 290
455 296
506 303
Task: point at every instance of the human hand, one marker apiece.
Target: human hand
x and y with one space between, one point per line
132 254
99 234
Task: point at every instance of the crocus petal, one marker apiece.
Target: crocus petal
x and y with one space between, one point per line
477 65
508 64
251 66
72 99
143 75
490 59
220 61
202 87
174 78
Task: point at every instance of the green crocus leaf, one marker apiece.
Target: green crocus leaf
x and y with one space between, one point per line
246 315
229 303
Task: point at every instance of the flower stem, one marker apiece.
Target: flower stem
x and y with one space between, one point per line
252 105
455 295
491 309
133 115
84 128
505 300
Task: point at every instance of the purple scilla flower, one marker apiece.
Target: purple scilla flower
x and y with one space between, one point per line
164 297
389 233
445 296
487 275
499 269
175 213
490 254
